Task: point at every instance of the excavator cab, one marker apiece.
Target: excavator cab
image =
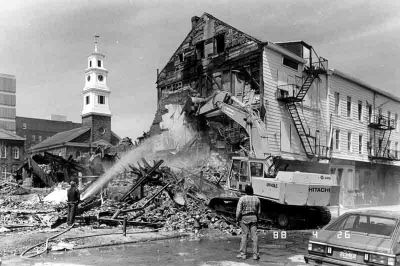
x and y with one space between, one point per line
243 170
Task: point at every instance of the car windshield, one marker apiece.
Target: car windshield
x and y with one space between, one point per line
365 224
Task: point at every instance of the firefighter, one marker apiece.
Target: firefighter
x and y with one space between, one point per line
247 213
73 200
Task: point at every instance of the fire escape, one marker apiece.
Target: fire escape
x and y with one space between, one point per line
381 129
308 141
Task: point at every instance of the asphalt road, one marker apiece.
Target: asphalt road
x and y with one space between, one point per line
274 250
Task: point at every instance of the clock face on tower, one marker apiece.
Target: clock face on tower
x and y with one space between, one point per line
100 77
102 131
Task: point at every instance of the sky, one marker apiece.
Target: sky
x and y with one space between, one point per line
45 44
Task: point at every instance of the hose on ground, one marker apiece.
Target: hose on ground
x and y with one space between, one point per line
45 242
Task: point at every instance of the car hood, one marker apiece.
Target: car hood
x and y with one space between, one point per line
372 243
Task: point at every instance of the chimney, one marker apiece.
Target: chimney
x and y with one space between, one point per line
195 19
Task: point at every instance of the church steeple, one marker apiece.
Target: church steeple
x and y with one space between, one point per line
96 92
96 112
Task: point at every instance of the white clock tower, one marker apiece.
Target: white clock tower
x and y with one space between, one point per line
96 112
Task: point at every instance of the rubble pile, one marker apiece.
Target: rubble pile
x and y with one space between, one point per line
27 211
10 188
153 196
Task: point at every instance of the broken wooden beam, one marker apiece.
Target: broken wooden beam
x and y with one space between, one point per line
110 221
141 180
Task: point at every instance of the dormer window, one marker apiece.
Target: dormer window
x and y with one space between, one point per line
99 63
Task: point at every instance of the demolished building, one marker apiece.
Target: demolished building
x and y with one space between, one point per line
318 119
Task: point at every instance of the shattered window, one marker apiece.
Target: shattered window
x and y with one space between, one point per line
290 63
200 50
220 43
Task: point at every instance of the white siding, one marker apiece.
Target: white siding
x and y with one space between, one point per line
357 93
312 110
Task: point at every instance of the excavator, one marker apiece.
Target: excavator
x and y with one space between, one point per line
287 197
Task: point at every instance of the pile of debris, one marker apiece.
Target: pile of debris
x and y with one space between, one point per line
166 200
11 188
155 197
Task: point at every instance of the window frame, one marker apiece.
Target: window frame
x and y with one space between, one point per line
337 139
360 144
4 171
360 111
16 153
336 97
99 63
290 63
87 100
101 97
349 141
349 107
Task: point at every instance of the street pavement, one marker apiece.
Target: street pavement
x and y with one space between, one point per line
276 248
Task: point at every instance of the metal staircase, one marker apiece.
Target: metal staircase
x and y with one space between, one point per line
384 126
313 70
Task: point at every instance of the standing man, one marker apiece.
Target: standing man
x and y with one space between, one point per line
247 213
73 200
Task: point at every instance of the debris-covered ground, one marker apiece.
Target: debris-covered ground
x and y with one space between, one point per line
166 200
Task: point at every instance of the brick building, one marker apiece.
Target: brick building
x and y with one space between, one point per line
11 153
7 102
95 129
35 130
318 119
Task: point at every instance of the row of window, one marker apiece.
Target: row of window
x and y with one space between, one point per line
36 138
3 152
98 63
100 99
360 143
99 78
392 121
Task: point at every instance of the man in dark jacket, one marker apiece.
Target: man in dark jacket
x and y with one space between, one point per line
73 200
247 213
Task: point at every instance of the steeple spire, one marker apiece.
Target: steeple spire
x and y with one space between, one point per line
96 41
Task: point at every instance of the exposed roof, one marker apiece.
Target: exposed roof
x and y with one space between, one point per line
363 84
8 135
62 137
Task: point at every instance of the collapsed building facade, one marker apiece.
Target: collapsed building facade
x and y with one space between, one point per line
318 119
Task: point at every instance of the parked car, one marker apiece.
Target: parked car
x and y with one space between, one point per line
365 237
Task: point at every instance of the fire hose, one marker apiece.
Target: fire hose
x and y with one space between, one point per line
45 242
